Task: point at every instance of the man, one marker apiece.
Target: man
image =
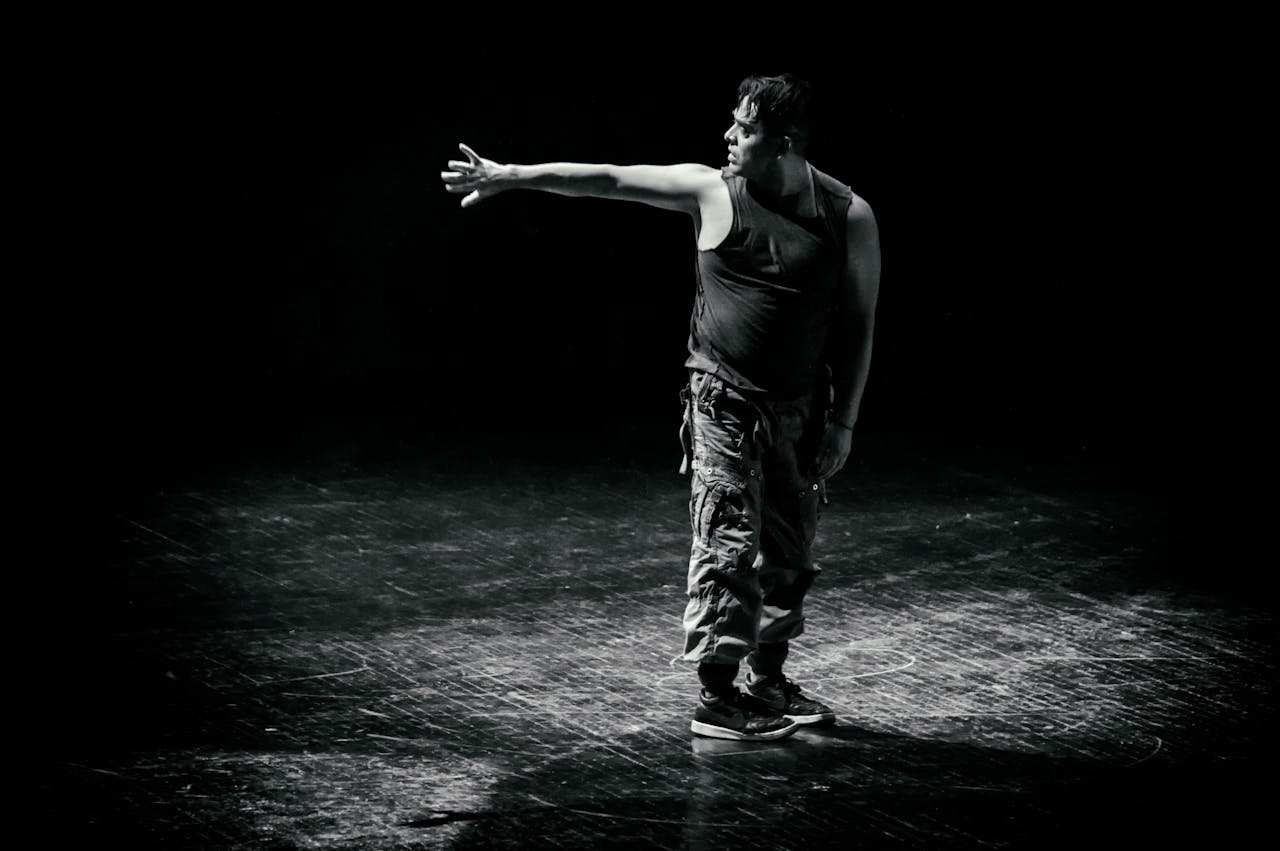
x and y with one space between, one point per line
788 272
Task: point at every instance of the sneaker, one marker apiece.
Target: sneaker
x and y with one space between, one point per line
740 717
783 696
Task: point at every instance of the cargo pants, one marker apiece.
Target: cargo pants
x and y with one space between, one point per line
753 507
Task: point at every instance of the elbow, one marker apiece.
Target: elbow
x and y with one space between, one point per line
611 182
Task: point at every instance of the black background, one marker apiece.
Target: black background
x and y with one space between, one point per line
246 261
266 261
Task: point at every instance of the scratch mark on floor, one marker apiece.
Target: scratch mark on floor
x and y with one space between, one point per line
317 676
1159 744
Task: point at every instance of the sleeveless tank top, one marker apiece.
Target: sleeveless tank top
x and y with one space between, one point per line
766 294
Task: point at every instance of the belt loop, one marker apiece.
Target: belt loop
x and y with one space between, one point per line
700 398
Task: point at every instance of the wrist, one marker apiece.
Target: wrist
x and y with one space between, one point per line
846 426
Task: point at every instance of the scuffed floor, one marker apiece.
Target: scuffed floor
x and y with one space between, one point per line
438 655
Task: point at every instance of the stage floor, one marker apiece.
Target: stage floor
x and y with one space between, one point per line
469 650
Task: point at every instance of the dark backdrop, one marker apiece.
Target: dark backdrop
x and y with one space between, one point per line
271 264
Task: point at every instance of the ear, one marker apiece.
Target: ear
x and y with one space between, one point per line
784 145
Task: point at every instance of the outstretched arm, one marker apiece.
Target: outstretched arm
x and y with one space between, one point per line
671 187
852 325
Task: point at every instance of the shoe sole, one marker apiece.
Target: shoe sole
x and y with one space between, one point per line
712 731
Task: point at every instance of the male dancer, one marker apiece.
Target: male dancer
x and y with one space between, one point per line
788 273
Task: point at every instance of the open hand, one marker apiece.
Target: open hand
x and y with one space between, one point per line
478 177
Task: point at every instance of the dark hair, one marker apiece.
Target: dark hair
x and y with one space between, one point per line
782 104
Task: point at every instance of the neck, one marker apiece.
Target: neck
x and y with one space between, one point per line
789 176
787 182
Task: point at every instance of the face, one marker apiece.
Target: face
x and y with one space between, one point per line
752 151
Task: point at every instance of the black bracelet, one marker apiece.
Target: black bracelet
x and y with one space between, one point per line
842 425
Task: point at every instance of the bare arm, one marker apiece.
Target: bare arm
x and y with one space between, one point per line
671 187
854 324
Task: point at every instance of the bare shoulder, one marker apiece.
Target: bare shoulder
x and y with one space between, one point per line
699 169
702 175
862 234
707 186
687 178
860 211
